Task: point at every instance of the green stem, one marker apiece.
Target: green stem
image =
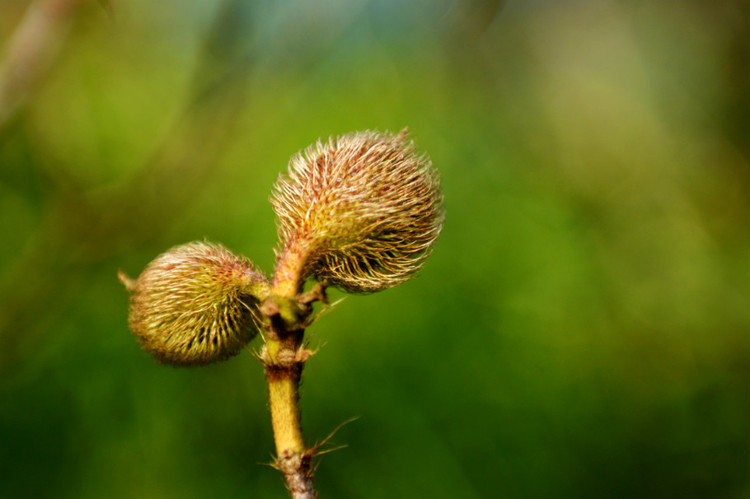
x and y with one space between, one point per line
284 359
284 402
283 399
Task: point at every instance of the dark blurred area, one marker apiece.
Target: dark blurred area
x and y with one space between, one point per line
582 329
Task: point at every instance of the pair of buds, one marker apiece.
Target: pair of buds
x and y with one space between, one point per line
361 212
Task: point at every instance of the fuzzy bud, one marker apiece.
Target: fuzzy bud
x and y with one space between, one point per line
196 304
361 211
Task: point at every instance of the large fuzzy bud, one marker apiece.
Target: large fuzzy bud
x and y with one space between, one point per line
361 211
196 304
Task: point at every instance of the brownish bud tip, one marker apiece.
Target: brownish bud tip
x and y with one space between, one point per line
195 304
126 280
361 211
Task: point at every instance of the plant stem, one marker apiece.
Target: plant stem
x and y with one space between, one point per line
292 457
284 359
283 394
288 278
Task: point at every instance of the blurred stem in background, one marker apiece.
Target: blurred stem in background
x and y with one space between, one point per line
32 51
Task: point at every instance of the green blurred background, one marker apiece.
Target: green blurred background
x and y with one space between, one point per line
581 331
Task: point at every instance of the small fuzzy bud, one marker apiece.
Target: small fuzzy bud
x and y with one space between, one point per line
361 211
196 304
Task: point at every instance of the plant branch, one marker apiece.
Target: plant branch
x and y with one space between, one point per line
293 458
290 269
283 358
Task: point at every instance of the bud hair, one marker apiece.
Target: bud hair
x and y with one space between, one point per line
196 304
363 210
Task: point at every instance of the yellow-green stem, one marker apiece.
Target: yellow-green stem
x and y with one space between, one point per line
283 399
289 275
283 359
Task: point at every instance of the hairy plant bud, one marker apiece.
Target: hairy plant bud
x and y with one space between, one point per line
361 211
196 304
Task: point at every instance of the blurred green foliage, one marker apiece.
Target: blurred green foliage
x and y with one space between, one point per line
582 330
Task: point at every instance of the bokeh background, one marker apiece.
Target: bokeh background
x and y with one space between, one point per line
581 331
